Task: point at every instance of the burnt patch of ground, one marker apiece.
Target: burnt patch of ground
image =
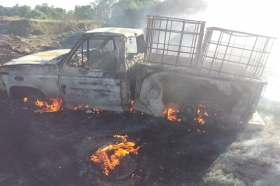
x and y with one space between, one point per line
52 148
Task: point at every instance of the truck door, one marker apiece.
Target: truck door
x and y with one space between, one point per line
87 78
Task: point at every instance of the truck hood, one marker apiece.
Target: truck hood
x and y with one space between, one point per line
41 58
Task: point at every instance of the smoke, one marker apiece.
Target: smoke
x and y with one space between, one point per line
137 18
253 159
259 17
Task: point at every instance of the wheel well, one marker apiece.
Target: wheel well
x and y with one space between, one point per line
20 92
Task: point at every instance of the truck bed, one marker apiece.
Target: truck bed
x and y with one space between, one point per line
208 67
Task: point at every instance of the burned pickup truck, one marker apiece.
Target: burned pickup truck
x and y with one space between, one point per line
178 65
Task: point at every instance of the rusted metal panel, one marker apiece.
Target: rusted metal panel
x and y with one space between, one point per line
122 57
40 58
41 77
136 59
241 95
86 90
112 31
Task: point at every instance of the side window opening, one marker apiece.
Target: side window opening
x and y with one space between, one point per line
109 46
95 53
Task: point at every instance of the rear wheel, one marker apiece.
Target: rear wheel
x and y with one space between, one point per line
188 109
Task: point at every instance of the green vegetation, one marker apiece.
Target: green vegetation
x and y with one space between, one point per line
120 13
99 10
135 4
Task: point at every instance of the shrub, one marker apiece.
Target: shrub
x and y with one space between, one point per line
37 14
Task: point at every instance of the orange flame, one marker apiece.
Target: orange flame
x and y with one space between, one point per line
201 114
76 108
120 149
25 100
131 110
171 114
96 111
53 107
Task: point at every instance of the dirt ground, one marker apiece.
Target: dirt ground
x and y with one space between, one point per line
12 47
54 148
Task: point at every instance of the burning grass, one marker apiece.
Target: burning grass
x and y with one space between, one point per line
119 150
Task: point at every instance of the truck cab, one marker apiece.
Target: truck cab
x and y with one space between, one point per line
94 72
91 75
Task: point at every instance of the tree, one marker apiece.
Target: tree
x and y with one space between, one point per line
83 12
135 4
24 10
8 11
58 13
37 14
16 10
2 10
102 10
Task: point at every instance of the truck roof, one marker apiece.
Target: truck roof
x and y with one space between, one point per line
112 31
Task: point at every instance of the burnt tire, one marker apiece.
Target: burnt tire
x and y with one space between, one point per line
188 109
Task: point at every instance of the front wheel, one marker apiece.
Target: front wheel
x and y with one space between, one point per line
25 92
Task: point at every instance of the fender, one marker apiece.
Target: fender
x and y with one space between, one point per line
28 85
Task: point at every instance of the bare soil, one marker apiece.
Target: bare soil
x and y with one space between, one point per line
12 47
54 148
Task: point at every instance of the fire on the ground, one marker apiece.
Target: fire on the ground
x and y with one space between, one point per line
172 114
119 150
54 106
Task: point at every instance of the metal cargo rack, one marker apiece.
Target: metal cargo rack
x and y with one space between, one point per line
222 52
173 41
234 53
